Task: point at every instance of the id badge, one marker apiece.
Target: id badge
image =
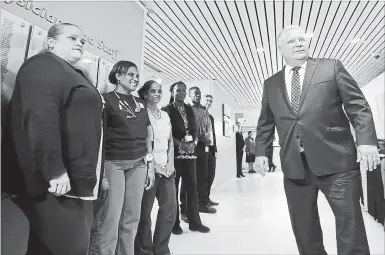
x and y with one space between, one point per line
207 149
188 138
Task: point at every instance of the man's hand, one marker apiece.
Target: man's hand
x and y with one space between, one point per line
262 164
216 154
60 185
105 188
368 156
150 176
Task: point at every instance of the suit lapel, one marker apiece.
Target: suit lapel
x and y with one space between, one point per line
282 86
310 68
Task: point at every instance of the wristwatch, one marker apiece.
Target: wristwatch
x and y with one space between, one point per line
149 157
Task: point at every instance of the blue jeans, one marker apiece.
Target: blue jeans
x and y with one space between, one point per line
117 217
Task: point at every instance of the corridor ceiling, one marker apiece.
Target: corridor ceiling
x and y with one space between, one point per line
235 42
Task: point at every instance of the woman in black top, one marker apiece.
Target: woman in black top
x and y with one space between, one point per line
51 148
128 165
184 132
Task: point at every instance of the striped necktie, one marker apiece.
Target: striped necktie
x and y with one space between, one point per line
295 89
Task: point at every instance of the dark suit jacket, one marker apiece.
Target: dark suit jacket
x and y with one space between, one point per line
239 141
213 148
321 124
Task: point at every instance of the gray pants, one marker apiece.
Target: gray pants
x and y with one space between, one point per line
117 217
164 191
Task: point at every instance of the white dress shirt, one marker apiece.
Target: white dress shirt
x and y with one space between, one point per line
289 75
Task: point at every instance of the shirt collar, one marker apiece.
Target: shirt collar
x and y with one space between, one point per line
288 68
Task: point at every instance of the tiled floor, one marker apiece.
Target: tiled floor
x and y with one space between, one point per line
253 218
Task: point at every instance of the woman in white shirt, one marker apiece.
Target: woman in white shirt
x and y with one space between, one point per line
164 187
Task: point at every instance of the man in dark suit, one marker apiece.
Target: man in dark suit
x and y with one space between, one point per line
306 102
239 145
212 155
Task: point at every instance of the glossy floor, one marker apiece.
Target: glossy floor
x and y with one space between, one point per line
253 218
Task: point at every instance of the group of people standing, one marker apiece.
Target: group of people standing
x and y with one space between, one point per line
66 147
247 146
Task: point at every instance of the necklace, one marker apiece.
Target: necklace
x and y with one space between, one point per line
156 116
123 105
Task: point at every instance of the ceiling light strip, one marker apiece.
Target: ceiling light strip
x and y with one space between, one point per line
212 68
341 57
244 65
240 77
229 76
344 29
234 82
188 58
164 61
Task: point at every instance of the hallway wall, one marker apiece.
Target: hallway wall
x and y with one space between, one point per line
374 92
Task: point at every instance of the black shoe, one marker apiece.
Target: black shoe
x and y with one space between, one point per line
207 209
242 175
184 217
252 172
212 203
238 176
177 230
199 228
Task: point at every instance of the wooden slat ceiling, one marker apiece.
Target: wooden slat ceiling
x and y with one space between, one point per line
235 42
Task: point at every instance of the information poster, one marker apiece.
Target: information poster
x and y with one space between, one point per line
14 33
105 68
37 41
227 123
89 65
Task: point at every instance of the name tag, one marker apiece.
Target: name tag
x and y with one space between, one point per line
188 138
207 149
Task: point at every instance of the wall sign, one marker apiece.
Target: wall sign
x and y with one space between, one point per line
43 13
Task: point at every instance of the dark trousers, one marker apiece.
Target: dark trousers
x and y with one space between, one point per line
343 192
212 161
58 225
185 168
269 155
202 174
239 162
376 201
145 243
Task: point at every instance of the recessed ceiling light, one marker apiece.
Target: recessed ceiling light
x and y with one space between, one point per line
260 50
355 40
150 11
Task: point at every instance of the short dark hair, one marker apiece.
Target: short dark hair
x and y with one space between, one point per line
208 95
121 67
236 123
145 88
192 88
250 132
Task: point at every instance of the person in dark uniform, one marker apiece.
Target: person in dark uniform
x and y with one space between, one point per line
269 154
240 144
